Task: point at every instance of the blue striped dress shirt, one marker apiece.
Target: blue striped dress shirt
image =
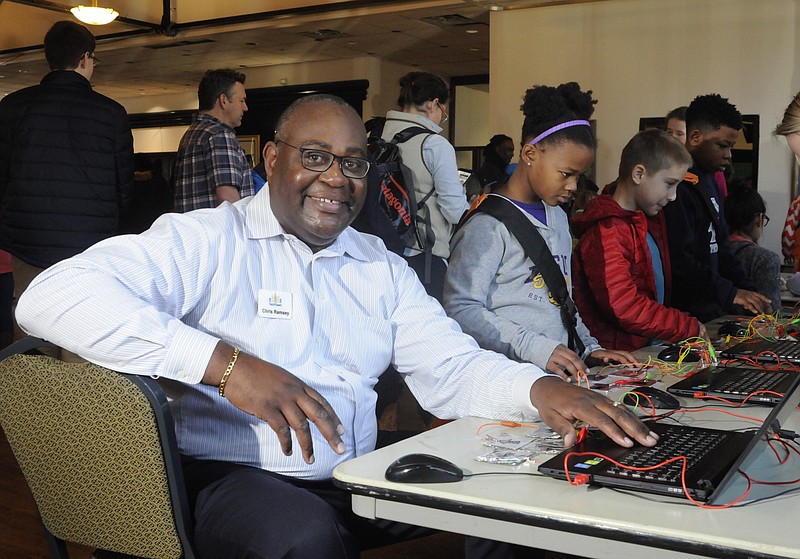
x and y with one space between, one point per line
157 304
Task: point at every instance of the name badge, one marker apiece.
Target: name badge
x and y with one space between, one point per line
274 304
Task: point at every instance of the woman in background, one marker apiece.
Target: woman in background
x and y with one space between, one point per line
432 161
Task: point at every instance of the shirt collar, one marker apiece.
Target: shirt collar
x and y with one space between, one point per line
212 118
261 223
66 76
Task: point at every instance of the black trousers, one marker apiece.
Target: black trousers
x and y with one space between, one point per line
6 306
245 512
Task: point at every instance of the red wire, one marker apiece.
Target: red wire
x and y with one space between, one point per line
788 448
721 410
664 463
505 424
702 396
646 397
778 365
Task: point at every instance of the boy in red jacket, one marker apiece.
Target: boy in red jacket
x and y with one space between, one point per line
621 266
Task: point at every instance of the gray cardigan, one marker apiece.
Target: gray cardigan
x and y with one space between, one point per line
762 266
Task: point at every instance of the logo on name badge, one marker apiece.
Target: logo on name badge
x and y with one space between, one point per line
274 304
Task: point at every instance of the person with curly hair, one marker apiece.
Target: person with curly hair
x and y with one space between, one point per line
707 279
492 288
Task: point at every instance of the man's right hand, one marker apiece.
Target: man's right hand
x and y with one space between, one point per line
276 396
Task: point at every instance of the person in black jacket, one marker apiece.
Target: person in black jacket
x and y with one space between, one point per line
66 159
707 280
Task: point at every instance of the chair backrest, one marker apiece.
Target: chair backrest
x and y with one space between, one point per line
98 451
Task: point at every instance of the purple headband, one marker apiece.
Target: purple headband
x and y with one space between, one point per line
558 127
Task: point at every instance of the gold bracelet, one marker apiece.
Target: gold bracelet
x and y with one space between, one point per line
227 372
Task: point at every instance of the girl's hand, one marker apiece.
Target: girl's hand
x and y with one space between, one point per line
606 356
565 363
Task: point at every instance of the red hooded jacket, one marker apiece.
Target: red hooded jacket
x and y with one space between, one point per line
613 282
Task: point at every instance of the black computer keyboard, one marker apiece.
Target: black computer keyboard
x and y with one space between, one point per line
675 441
752 382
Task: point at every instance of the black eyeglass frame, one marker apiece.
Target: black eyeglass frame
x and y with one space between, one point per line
764 219
346 172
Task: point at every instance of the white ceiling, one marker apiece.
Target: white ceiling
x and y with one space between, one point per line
447 37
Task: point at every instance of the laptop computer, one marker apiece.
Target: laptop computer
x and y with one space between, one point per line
769 351
736 384
714 456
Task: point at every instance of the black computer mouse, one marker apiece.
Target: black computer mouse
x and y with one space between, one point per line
660 399
732 328
672 352
423 468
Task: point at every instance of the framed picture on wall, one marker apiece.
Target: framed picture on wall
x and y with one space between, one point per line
252 148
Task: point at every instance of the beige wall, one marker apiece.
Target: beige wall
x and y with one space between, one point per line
472 122
644 57
641 58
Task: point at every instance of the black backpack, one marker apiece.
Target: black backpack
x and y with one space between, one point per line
390 208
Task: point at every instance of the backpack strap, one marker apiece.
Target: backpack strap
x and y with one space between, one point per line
536 249
408 133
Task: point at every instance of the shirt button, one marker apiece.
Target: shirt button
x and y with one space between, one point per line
181 375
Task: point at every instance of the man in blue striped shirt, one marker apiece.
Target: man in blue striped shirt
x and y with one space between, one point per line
270 321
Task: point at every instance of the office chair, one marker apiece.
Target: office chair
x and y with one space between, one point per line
98 451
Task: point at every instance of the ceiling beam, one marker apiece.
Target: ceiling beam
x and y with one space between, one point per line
232 23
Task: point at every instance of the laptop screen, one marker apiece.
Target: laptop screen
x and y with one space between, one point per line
758 444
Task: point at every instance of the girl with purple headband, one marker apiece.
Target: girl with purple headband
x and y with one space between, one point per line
492 289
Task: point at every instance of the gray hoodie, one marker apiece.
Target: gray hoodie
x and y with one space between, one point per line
497 296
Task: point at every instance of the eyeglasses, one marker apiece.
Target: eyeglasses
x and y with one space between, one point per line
445 116
95 60
764 220
319 161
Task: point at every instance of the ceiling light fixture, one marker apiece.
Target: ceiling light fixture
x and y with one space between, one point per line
94 15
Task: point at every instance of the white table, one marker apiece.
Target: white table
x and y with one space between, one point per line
536 511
